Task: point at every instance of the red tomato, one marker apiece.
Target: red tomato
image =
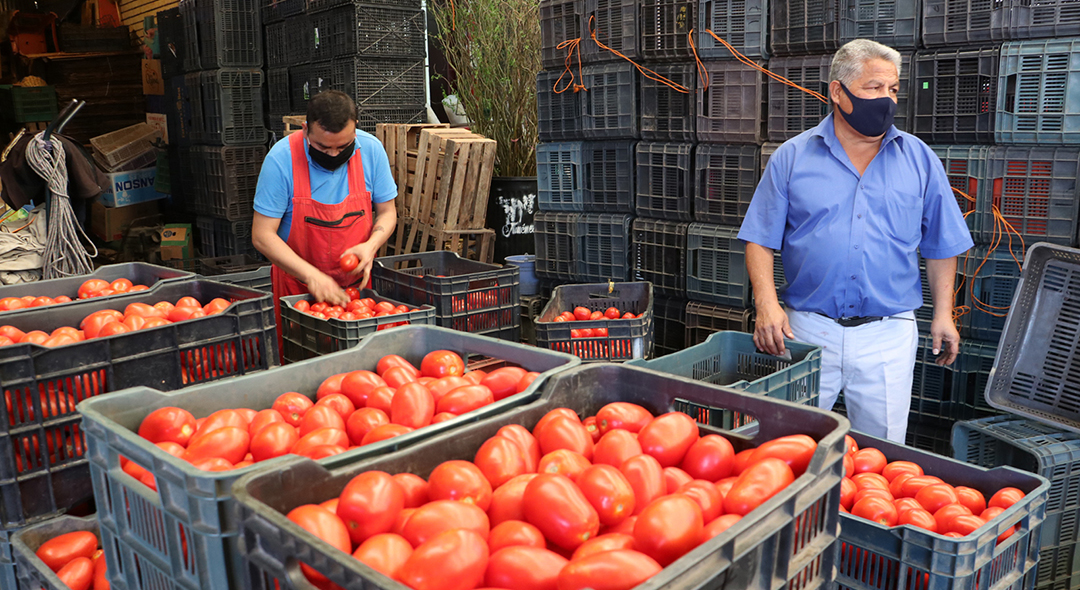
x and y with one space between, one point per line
14 334
325 525
331 384
121 285
918 517
609 493
1005 497
898 467
521 566
527 380
181 313
213 464
626 527
905 504
397 377
965 524
339 403
363 421
628 316
669 437
440 387
302 306
42 301
78 574
876 492
503 382
524 439
992 513
897 484
915 483
382 398
971 498
134 323
506 501
475 376
220 419
945 515
465 399
869 459
870 480
442 363
384 432
216 306
292 406
615 447
581 313
796 450
718 526
612 313
708 498
442 417
229 443
391 361
711 458
370 504
462 481
500 460
590 427
59 340
847 493
273 440
92 286
357 385
412 405
61 549
668 528
320 417
414 488
320 437
610 570
168 424
646 477
608 542
439 516
562 432
756 484
556 506
675 478
109 329
385 553
564 462
101 582
876 509
936 496
143 309
452 560
515 532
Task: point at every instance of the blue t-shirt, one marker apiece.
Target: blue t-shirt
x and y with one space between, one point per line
850 244
274 193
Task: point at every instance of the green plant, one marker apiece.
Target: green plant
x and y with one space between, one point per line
494 48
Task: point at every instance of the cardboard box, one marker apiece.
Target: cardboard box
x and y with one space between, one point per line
176 241
160 122
110 223
128 188
152 80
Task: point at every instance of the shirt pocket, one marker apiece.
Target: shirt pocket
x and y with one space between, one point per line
903 214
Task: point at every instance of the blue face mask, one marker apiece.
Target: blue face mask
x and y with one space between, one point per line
871 117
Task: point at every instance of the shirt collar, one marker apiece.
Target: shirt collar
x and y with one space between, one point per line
826 130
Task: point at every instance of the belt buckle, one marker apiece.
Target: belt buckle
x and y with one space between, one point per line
851 322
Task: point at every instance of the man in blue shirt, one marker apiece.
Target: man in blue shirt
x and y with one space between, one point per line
850 204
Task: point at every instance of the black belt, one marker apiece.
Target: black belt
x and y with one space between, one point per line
852 322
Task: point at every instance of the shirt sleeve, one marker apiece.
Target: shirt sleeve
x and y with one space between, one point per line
383 187
766 218
272 193
944 231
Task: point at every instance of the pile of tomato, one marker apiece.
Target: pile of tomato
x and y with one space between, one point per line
89 289
582 314
351 410
76 559
898 493
359 308
110 322
604 502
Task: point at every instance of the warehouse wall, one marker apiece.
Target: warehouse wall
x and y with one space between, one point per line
134 11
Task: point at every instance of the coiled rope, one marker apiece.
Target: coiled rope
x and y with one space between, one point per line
65 255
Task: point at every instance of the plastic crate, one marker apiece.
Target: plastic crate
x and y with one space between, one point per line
470 296
305 336
139 273
891 22
321 5
28 104
258 279
964 22
293 42
369 30
608 176
229 34
228 265
179 113
904 95
31 571
605 247
616 25
76 38
762 551
218 237
560 20
626 339
767 150
792 111
531 306
198 506
372 115
874 557
1039 92
307 80
665 180
556 244
665 28
8 578
273 11
742 23
928 434
277 92
965 166
956 95
669 326
667 114
716 265
388 80
227 106
703 319
1035 189
1046 18
558 113
953 392
609 107
170 35
190 24
125 144
805 27
660 255
726 177
225 179
992 279
559 170
240 340
730 109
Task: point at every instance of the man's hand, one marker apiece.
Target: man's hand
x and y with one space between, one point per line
771 329
324 288
366 253
946 340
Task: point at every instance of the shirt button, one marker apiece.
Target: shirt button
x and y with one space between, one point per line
859 215
853 277
851 307
856 246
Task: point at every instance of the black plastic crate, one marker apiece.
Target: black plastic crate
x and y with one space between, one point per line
1045 18
615 23
369 30
1039 92
605 251
666 113
179 112
956 95
767 150
609 106
665 180
219 237
372 115
289 43
277 92
991 280
669 326
905 102
929 434
556 244
139 273
170 35
805 27
390 80
225 179
965 166
273 11
321 5
31 571
792 111
626 339
703 319
560 20
558 113
725 179
965 22
468 296
891 22
742 23
307 80
716 265
220 266
531 306
660 255
190 25
953 392
731 109
559 170
7 561
608 176
229 34
665 28
258 279
227 106
1035 189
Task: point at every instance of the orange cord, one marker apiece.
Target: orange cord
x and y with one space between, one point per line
1001 226
571 46
749 62
644 71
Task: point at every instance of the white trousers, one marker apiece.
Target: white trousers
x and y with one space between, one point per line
873 364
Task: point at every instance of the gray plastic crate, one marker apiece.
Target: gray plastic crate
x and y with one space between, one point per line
1045 18
122 145
1035 189
229 34
895 23
558 113
991 280
556 244
804 27
703 319
626 339
716 265
559 170
616 25
666 113
387 80
669 326
730 110
560 20
660 255
792 111
609 107
371 115
725 177
742 23
1039 92
31 571
307 80
964 22
605 247
608 176
224 179
955 95
965 166
665 29
767 150
227 106
665 180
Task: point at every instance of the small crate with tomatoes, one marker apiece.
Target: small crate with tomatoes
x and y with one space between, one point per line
162 464
468 296
111 281
310 328
732 359
599 322
172 336
613 479
64 553
915 520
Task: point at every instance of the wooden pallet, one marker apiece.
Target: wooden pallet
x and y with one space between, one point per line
293 123
474 244
401 142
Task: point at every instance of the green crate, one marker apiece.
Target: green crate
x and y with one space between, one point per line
28 104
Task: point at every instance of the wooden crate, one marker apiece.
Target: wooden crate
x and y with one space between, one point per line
293 123
401 142
474 244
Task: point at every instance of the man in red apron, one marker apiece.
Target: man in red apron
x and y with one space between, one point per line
324 193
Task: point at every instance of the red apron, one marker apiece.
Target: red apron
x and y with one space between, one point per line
319 233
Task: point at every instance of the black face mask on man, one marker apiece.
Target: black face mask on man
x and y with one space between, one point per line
331 162
869 116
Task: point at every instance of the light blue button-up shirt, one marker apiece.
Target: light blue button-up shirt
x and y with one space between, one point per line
850 243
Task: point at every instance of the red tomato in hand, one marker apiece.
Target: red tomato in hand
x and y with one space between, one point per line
711 458
556 506
61 549
876 509
515 532
756 484
349 262
325 525
452 560
385 553
668 528
370 504
609 493
168 424
521 566
462 481
610 570
439 516
442 363
500 460
622 415
669 437
646 477
615 447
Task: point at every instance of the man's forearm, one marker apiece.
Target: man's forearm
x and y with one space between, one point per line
759 263
941 276
382 227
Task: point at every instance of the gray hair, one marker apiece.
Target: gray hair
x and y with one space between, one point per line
847 64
